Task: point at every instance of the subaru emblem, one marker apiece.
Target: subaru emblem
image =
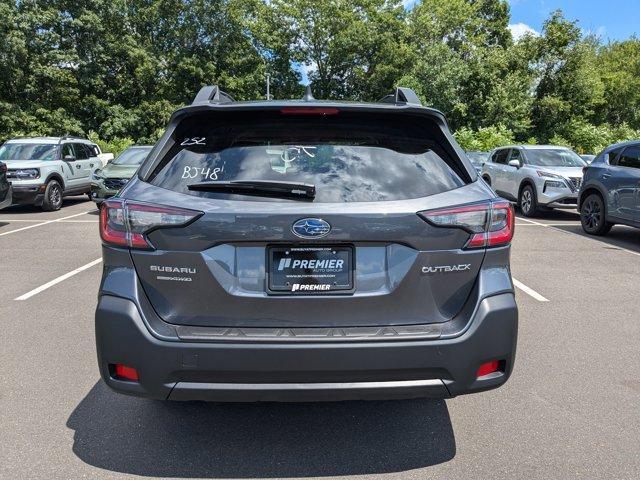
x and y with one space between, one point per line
311 228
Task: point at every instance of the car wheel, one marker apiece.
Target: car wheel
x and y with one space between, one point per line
52 196
528 202
592 216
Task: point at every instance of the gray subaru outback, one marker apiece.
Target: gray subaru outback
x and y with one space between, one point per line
306 250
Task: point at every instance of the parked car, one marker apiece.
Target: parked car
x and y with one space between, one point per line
588 158
106 182
6 197
610 193
478 159
304 250
536 177
43 170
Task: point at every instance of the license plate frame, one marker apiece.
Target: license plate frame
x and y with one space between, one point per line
283 279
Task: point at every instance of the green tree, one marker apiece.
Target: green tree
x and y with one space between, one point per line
569 87
353 49
619 69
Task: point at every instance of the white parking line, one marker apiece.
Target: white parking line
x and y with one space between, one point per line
532 222
547 224
55 281
42 223
529 291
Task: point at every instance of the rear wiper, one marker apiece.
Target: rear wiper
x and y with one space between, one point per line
263 188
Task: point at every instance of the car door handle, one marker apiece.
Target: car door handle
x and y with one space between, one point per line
91 164
606 175
77 166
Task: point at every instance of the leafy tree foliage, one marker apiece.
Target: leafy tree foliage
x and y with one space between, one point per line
117 69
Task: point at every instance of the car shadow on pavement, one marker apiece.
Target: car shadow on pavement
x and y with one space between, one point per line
620 236
68 202
223 440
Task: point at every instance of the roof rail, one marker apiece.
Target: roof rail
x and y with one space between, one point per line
212 94
402 95
71 137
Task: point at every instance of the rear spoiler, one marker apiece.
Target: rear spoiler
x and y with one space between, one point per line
402 95
213 94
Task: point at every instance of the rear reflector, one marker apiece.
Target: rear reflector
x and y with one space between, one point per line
125 224
487 368
309 111
490 224
124 372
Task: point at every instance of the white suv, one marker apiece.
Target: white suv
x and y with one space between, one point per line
43 170
537 177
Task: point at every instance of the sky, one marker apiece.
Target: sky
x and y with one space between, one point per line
609 19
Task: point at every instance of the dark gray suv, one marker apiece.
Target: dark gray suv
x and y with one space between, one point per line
305 250
610 192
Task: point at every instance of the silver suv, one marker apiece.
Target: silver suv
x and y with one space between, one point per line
537 177
43 170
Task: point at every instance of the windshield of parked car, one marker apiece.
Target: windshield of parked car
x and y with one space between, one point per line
348 160
554 157
478 158
132 156
28 151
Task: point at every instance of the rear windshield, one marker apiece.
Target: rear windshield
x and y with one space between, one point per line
347 161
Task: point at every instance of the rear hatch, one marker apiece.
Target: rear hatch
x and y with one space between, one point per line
340 243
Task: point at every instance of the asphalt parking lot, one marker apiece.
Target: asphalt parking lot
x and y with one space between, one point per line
570 410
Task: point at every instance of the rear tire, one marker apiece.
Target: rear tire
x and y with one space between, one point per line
528 202
592 216
52 196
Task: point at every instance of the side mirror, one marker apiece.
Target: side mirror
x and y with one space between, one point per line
514 163
69 158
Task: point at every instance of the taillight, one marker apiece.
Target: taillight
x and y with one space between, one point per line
490 224
125 223
124 372
488 368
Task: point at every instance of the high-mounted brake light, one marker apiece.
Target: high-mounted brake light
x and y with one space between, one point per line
321 111
126 224
490 224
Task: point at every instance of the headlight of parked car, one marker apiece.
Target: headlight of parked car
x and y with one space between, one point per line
542 173
97 175
24 173
555 184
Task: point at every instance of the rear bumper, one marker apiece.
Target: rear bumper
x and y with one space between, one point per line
305 371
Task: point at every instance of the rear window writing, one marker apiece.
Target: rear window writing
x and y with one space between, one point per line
341 173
